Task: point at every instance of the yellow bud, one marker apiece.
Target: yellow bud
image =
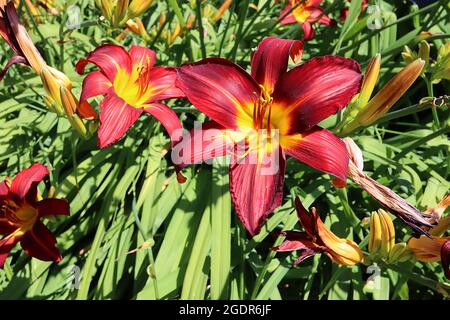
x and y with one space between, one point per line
388 233
370 80
176 33
106 7
138 7
70 104
120 12
388 95
424 52
219 13
399 253
68 101
375 234
162 19
51 86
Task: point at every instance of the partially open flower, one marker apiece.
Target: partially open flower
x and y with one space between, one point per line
20 212
318 238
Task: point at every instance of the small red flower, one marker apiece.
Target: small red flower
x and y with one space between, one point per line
305 13
318 238
269 101
131 85
20 214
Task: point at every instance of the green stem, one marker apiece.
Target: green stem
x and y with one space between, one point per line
436 122
243 15
150 251
290 223
222 41
442 288
198 10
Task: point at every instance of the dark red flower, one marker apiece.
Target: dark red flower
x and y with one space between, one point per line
255 107
20 212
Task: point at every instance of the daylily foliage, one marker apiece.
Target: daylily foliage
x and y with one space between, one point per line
198 141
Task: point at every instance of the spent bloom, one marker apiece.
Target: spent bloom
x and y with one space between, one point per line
56 84
271 102
21 209
417 220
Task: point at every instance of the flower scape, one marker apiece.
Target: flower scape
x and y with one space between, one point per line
224 149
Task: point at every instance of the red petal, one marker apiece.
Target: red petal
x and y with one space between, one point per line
305 218
201 144
116 117
220 89
23 186
142 56
162 84
294 241
308 31
6 245
287 18
445 258
40 243
52 207
168 119
257 190
3 189
109 58
5 227
94 84
12 61
320 149
270 60
315 90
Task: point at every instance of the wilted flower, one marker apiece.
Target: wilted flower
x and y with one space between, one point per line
21 208
26 53
318 238
385 196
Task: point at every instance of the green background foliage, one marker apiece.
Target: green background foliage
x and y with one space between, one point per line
194 246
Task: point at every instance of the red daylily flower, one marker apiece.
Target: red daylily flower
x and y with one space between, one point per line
131 85
257 106
305 13
318 238
20 214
